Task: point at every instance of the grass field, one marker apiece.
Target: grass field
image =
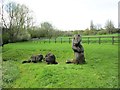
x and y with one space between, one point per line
101 70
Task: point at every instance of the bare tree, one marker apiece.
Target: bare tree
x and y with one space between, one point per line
18 18
109 26
92 26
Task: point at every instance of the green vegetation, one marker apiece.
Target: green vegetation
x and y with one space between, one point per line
20 26
0 69
101 70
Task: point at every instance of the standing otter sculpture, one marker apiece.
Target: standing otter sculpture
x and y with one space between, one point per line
78 50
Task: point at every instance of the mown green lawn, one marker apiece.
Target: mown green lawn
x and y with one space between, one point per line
101 70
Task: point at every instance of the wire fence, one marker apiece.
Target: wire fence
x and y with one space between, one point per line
85 39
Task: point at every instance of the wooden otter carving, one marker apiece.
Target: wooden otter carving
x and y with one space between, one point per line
34 59
50 59
78 50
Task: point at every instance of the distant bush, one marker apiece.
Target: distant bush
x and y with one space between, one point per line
5 38
101 32
24 36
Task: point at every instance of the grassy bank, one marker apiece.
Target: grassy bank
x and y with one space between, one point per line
101 69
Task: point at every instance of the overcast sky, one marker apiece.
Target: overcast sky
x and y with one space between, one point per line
73 14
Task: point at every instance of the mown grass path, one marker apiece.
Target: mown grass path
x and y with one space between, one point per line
101 70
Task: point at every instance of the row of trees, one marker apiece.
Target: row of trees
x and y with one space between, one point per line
108 29
95 29
44 30
18 26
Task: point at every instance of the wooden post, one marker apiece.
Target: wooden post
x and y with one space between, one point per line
113 40
44 40
49 40
55 40
61 40
99 40
40 41
88 40
69 40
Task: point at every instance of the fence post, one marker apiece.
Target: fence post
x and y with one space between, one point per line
88 40
61 40
39 40
113 40
55 40
44 41
99 40
49 40
69 40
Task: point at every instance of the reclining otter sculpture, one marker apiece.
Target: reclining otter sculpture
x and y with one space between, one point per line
49 59
34 59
